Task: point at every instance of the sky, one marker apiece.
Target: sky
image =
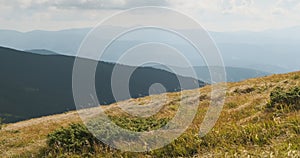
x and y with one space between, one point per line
214 15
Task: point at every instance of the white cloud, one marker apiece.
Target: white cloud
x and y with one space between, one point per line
287 4
83 4
220 15
234 6
234 15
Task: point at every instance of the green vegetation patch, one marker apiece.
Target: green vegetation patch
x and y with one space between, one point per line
77 138
139 124
281 99
73 139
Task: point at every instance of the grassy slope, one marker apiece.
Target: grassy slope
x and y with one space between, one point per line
243 113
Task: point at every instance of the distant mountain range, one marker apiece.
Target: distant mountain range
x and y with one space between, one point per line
273 51
34 85
66 41
233 74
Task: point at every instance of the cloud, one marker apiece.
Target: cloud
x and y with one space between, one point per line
83 4
286 7
213 14
287 4
232 6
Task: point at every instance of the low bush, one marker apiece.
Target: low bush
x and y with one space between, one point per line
139 124
73 139
280 99
77 138
244 90
231 105
296 77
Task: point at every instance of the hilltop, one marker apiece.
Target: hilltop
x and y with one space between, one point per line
251 124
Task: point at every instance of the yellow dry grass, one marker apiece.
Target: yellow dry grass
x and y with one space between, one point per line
27 137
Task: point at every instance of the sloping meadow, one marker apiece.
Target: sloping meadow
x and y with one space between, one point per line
260 118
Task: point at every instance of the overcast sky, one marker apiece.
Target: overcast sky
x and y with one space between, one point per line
216 15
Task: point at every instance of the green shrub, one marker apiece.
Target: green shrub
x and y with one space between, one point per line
280 98
140 124
296 77
244 90
105 130
78 139
231 105
74 139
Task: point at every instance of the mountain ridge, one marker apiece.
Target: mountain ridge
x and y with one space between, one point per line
239 49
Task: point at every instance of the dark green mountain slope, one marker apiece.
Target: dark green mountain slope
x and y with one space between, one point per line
33 85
